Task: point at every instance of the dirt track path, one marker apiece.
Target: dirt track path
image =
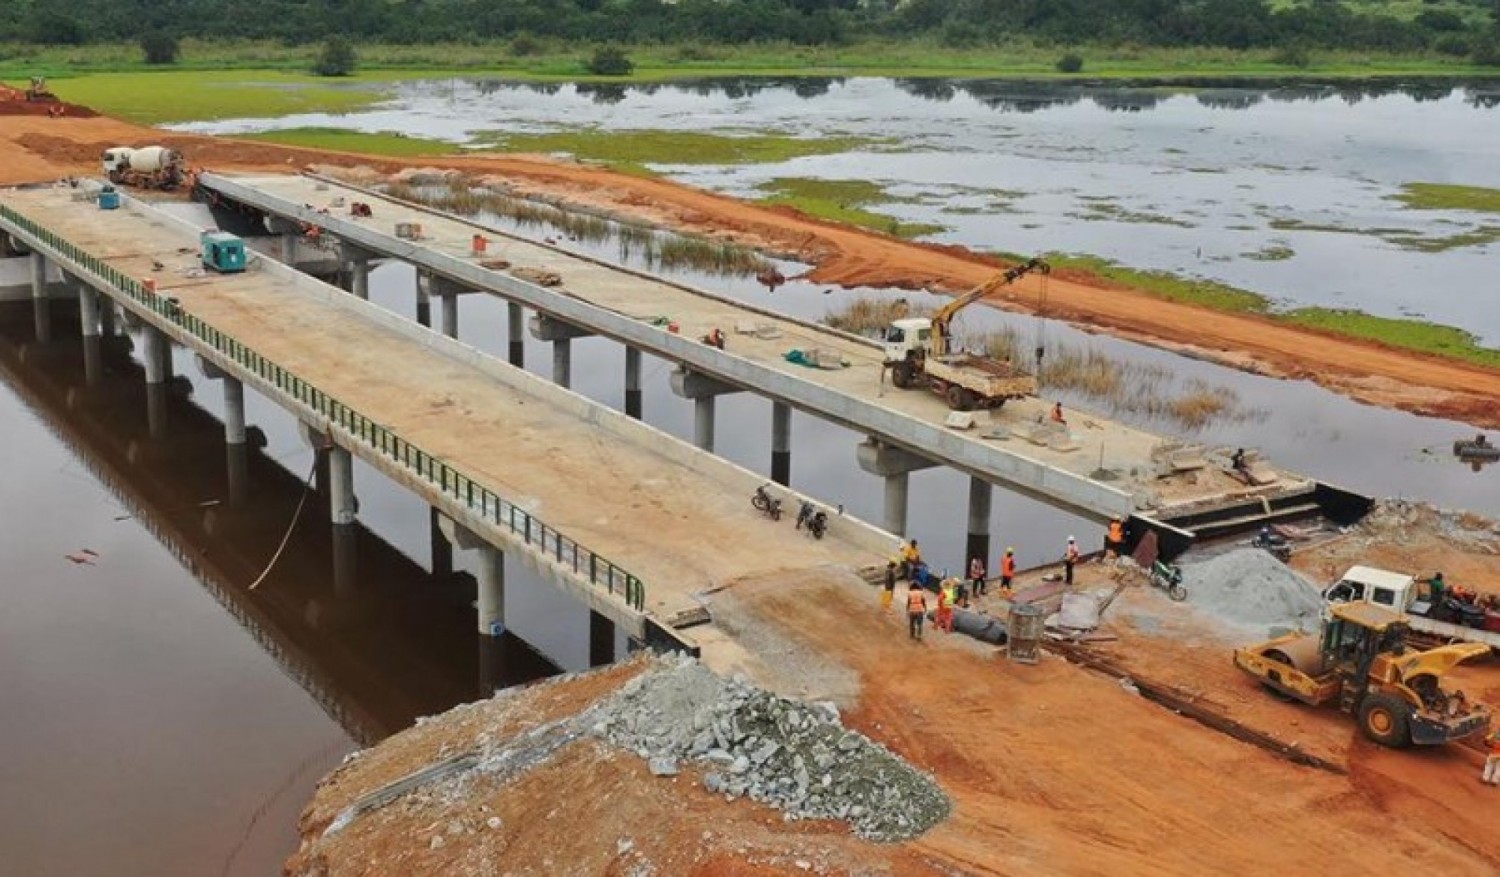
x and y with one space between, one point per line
41 148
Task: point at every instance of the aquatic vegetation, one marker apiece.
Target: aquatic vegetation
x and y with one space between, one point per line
656 147
1146 390
657 249
1437 196
844 201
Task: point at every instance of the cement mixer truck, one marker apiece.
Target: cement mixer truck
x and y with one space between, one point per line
148 167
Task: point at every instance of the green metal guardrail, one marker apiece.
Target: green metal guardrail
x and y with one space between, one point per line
479 499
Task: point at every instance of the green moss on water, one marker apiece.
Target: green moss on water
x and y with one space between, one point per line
1436 196
1271 253
843 201
636 149
383 143
1418 335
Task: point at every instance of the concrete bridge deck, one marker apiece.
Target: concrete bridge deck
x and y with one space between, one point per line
997 449
676 517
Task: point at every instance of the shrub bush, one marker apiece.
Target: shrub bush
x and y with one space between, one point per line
1069 63
1292 55
336 59
610 61
1487 53
1453 45
525 45
160 47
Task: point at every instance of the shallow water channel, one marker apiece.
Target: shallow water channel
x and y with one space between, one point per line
162 719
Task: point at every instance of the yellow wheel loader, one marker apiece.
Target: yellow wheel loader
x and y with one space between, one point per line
1361 662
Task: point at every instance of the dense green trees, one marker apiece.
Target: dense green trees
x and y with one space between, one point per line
1229 23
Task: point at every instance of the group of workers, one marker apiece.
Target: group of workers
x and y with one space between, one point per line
951 593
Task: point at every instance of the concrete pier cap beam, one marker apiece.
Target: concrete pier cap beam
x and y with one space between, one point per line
885 460
691 385
545 328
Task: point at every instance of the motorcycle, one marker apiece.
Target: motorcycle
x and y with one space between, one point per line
816 521
1273 544
1168 577
766 504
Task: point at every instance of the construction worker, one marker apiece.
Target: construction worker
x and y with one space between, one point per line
942 618
1114 540
916 610
888 593
1437 587
1070 557
1007 568
976 575
1491 773
911 555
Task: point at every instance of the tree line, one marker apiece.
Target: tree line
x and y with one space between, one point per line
1234 24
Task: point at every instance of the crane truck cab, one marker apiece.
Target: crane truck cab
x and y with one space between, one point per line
908 338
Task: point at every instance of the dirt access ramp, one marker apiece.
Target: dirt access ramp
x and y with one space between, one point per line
1055 769
41 148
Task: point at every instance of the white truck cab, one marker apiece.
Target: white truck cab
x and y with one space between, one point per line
905 336
1366 584
117 159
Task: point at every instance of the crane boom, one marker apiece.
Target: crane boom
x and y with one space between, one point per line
947 312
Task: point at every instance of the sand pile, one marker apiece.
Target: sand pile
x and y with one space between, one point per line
1250 588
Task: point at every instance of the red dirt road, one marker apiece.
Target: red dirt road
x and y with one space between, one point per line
38 149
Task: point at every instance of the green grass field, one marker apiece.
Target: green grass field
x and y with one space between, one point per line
164 96
843 201
635 148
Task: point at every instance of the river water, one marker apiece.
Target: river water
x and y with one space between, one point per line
1288 191
162 719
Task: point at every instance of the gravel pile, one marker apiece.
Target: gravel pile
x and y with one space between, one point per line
1249 587
796 757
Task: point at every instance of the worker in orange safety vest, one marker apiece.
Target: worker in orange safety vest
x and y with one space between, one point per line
916 610
1007 568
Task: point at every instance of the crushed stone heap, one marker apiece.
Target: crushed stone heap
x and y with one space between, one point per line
1250 588
795 757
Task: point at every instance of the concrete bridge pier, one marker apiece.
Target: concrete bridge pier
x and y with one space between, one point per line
442 547
981 495
515 326
781 443
357 268
633 397
561 335
157 353
88 318
40 301
702 390
447 293
342 506
235 441
489 600
424 299
895 465
601 640
108 325
345 560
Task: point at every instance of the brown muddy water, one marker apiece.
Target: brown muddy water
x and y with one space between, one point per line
159 718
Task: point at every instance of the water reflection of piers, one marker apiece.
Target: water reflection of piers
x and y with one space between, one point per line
372 636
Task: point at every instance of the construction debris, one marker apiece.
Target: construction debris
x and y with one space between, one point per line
795 757
537 276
